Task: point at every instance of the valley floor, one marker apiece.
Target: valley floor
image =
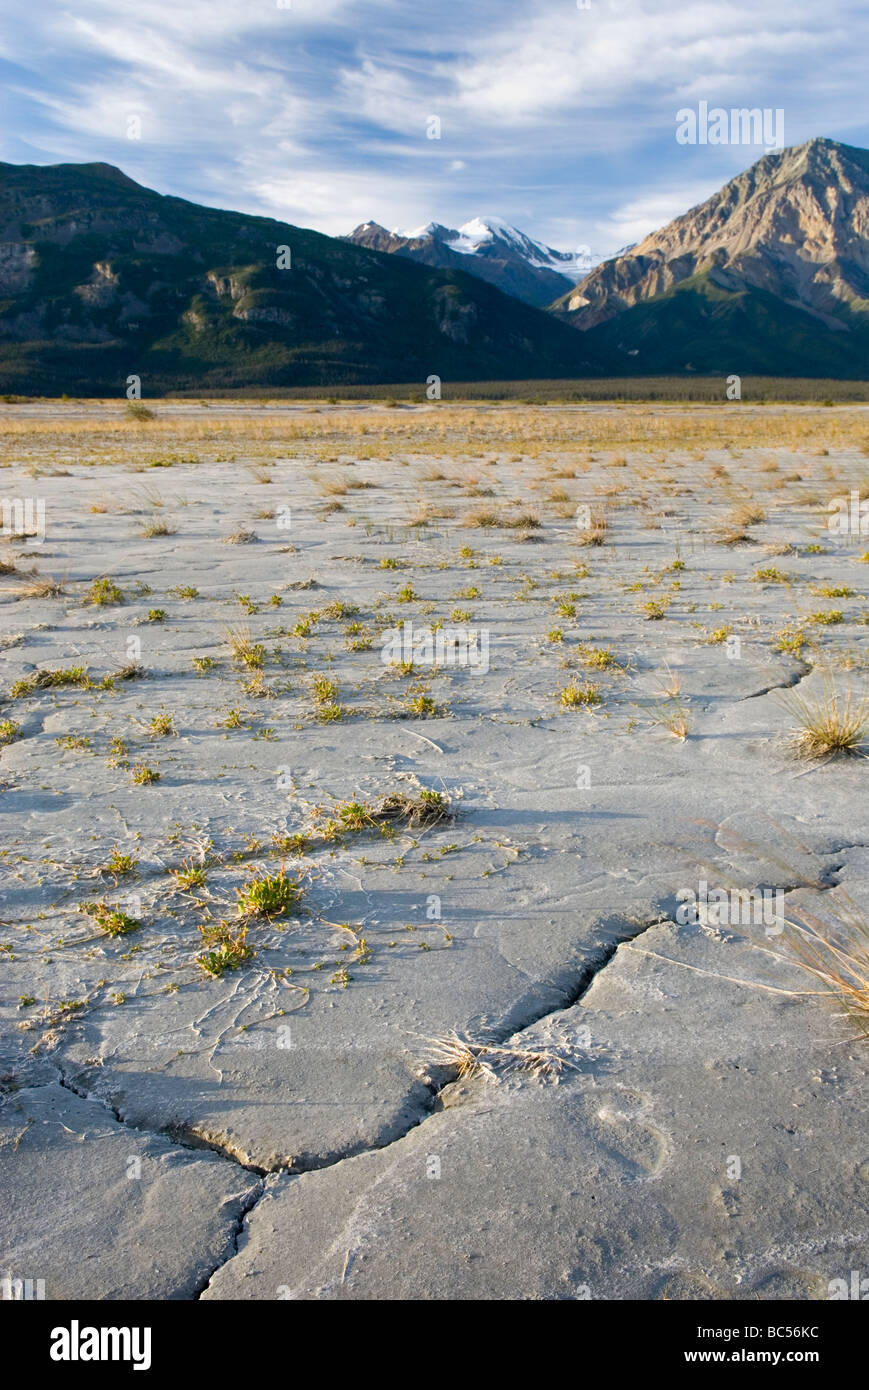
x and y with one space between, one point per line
487 1054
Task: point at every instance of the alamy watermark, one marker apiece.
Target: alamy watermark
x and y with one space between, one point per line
14 1290
443 646
849 516
737 126
22 518
734 907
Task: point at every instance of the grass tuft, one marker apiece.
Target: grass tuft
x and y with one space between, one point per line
831 724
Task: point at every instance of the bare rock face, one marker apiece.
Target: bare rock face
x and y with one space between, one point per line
16 266
796 224
488 248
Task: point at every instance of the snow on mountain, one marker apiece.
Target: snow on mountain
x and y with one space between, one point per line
492 249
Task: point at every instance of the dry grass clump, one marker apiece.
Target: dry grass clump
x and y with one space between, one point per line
595 532
156 526
469 1059
828 725
734 535
239 538
44 588
837 957
429 808
132 671
522 520
747 514
673 717
250 654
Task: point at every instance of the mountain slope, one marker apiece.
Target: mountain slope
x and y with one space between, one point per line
772 270
490 249
101 278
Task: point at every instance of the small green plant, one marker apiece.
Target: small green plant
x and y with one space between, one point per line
771 575
162 725
791 640
103 592
235 719
120 863
228 948
826 618
51 680
291 844
203 663
119 752
189 875
325 690
144 776
74 742
186 591
9 730
110 919
654 609
407 594
579 695
601 658
423 706
270 895
338 610
354 815
156 615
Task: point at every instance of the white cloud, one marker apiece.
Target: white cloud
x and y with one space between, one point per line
553 117
634 220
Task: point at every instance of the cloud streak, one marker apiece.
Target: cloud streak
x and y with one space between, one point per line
559 119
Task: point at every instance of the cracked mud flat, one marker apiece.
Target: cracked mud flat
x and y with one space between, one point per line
288 1130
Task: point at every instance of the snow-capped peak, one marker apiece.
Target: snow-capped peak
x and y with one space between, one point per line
417 232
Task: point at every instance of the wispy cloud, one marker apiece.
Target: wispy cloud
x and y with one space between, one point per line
557 118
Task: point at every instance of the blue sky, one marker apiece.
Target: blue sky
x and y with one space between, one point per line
561 120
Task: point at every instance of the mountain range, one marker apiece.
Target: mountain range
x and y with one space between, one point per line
101 278
769 275
491 249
